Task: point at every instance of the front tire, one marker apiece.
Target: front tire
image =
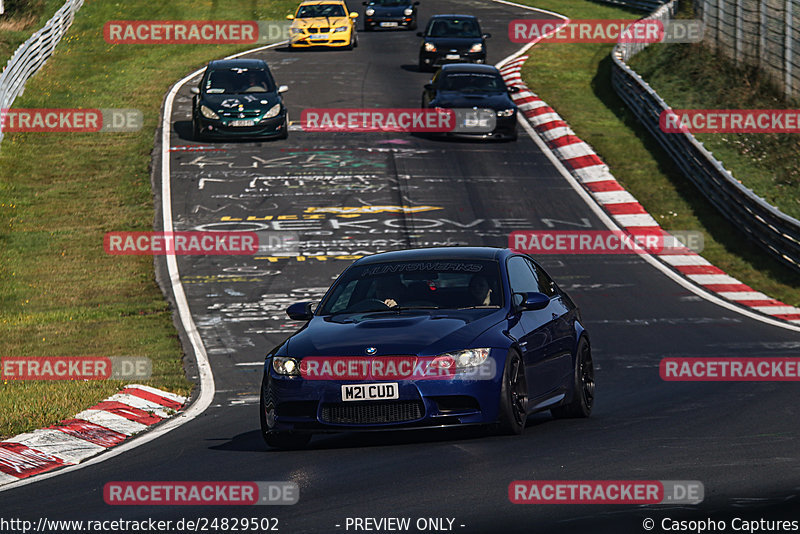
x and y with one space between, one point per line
196 135
273 438
583 388
513 396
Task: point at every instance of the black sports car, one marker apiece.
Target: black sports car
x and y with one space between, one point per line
239 98
452 39
390 14
438 337
474 87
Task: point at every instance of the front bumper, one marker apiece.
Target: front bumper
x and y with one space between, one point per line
439 58
331 39
272 127
300 405
389 23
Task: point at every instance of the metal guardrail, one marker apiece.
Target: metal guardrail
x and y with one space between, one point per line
33 53
642 5
777 232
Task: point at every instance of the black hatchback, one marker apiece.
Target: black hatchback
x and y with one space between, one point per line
451 39
238 98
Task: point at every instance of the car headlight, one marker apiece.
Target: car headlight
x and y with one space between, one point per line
369 12
506 112
273 111
295 31
477 47
208 113
408 12
340 29
285 366
467 358
430 47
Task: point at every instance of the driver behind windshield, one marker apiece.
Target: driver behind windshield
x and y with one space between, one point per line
388 290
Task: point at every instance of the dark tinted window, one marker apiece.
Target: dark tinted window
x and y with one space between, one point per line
239 80
471 81
438 284
454 28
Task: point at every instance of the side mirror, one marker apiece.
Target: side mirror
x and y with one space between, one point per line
513 89
535 301
353 15
300 311
420 34
289 17
195 90
416 3
283 89
487 35
364 4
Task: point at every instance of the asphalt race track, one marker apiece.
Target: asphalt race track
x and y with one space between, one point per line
739 439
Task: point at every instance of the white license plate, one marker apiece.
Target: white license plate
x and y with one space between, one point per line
359 392
388 25
452 56
242 123
319 37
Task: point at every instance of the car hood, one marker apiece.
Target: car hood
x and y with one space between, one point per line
424 332
456 99
386 11
453 42
260 102
320 22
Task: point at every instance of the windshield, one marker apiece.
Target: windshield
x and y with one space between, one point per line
454 28
320 10
389 3
470 81
237 80
430 284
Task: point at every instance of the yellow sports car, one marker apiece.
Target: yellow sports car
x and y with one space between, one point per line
323 23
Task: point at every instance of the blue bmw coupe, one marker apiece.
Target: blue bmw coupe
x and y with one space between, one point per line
429 338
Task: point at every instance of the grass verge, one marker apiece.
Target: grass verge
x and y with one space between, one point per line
575 79
60 294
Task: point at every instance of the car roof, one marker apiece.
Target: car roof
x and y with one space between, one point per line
469 67
437 253
238 63
453 16
317 2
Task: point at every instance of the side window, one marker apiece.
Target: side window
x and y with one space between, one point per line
342 299
546 284
521 277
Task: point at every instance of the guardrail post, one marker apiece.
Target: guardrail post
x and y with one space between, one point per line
787 55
